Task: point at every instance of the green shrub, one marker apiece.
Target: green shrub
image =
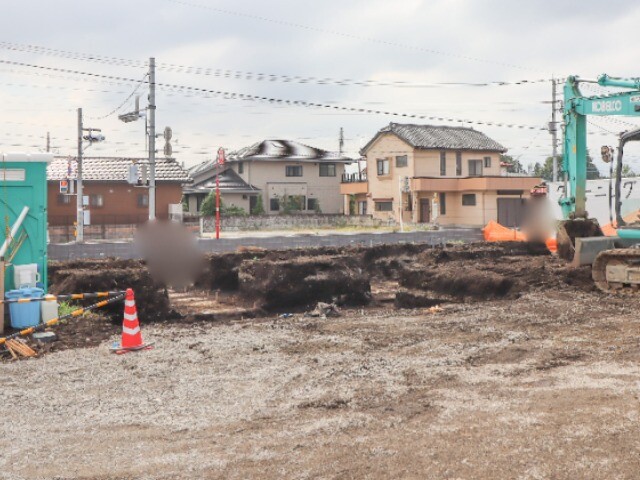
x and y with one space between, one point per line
258 208
208 208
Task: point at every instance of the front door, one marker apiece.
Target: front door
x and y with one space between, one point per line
425 210
253 203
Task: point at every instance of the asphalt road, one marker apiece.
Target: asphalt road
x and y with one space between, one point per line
127 250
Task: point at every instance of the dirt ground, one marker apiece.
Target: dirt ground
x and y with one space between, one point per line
542 382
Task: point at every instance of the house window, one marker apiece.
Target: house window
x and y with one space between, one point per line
402 161
293 170
475 168
143 200
384 206
469 199
443 164
458 163
383 166
96 200
443 203
274 204
312 203
362 208
327 169
240 167
487 162
64 199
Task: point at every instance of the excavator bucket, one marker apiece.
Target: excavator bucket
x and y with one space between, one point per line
579 241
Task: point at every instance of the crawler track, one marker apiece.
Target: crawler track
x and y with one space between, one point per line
624 256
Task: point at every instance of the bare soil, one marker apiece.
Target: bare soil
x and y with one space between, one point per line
541 382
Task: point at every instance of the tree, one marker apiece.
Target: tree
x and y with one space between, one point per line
352 204
545 171
291 203
627 171
514 164
258 208
208 207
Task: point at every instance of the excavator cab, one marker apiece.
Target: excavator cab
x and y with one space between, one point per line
626 229
580 240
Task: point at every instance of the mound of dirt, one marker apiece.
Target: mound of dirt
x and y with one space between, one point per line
305 281
417 299
221 270
152 301
459 281
491 270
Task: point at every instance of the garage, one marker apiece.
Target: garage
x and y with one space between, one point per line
510 211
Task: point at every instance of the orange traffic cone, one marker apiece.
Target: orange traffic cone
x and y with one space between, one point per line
131 335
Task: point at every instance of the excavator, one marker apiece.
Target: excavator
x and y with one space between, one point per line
615 260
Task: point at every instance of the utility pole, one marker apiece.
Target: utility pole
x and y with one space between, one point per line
341 141
79 204
152 139
553 126
48 142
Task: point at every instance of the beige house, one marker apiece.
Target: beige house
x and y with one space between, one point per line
286 175
448 176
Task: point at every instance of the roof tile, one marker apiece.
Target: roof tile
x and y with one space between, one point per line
114 169
440 136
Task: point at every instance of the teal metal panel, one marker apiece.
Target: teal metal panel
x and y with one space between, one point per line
627 104
26 185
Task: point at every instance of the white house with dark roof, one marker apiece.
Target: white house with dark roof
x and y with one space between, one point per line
279 171
443 175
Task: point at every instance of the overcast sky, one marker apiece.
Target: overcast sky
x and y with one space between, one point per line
419 42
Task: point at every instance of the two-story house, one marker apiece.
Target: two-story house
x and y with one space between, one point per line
437 174
278 171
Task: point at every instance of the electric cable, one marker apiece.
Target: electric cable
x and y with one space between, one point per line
300 103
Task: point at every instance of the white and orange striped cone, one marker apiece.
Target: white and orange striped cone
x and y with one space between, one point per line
131 335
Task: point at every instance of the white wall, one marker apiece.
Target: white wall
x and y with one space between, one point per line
598 198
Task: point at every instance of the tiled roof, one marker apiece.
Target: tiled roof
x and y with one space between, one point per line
114 169
230 181
436 136
278 150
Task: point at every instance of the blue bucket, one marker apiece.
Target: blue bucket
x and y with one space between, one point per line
24 315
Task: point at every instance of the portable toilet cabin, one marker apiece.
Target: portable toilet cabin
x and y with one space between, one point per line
23 213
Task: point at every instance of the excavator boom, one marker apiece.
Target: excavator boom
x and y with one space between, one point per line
580 238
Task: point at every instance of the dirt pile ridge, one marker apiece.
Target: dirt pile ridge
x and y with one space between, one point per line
89 276
305 281
487 271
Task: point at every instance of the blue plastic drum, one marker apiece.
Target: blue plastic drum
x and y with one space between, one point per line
24 315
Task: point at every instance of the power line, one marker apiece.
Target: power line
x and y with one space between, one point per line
271 77
125 100
344 34
278 101
257 76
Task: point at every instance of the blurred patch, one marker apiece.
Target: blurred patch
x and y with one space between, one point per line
538 223
171 253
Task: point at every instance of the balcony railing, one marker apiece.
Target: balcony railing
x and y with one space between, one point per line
354 177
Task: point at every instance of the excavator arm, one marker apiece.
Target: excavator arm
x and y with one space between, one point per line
614 265
576 108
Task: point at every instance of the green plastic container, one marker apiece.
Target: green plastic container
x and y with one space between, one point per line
23 183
